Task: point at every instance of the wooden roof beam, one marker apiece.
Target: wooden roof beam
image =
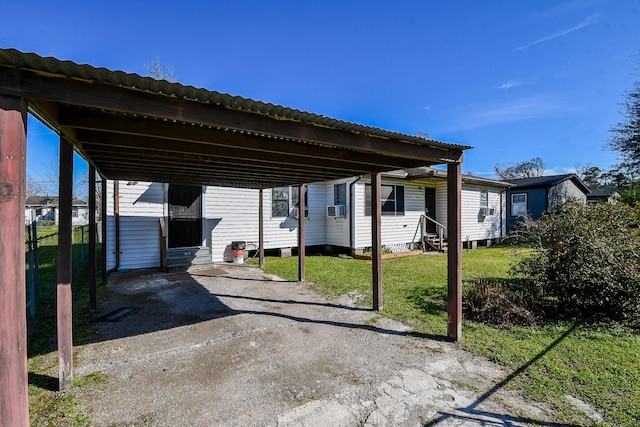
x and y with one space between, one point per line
170 159
169 131
88 140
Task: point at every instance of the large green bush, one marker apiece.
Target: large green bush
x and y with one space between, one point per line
585 262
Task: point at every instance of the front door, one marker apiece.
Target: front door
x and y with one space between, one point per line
185 216
430 208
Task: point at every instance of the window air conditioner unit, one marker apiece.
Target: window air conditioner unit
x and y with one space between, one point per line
485 211
294 213
337 211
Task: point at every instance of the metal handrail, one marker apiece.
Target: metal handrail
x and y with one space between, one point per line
422 225
423 216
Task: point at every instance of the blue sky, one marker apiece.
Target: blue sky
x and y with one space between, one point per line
515 79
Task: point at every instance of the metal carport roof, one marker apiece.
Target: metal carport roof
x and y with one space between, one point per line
138 128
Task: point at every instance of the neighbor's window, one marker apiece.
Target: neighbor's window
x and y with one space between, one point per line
484 198
391 196
519 204
340 194
559 199
74 212
283 199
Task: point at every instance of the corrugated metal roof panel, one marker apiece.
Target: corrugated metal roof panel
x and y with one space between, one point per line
32 61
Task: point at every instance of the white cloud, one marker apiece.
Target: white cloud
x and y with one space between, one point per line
585 23
511 111
510 84
559 170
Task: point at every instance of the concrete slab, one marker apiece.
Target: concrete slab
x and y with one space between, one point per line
247 349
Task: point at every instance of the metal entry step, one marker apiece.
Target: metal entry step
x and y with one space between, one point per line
188 259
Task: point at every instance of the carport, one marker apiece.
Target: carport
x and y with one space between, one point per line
129 127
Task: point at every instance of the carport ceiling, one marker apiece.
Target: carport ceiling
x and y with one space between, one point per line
137 128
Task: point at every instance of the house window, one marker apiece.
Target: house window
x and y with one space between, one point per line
74 212
559 199
283 199
519 204
391 196
340 194
280 197
484 198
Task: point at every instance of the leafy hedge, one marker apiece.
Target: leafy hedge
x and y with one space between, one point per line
585 262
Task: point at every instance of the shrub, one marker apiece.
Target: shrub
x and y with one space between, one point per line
494 303
585 261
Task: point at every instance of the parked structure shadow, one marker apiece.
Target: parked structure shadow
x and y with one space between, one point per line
472 413
186 302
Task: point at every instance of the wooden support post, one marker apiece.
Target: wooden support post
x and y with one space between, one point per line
301 244
261 229
64 299
103 253
454 256
14 398
93 298
376 240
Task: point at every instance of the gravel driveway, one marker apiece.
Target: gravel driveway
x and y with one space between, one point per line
233 347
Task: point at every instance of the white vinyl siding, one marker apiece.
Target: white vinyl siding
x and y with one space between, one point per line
232 214
396 229
141 207
474 225
401 229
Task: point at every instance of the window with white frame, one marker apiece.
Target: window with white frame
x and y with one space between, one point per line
391 197
340 194
280 197
284 199
519 204
484 198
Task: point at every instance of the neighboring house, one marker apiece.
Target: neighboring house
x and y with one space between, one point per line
603 195
543 194
45 208
337 215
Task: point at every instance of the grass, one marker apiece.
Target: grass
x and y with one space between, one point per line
47 406
595 363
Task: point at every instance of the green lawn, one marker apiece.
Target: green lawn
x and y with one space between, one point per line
47 406
597 364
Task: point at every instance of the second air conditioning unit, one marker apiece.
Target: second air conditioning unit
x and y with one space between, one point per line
485 211
336 211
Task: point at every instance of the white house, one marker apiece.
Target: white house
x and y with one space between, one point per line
46 208
337 215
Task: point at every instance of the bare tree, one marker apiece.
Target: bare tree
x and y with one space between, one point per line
159 71
49 184
526 169
35 188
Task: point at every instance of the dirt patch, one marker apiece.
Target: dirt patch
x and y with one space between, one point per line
244 349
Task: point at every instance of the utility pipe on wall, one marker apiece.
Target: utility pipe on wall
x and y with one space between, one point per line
352 217
116 215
